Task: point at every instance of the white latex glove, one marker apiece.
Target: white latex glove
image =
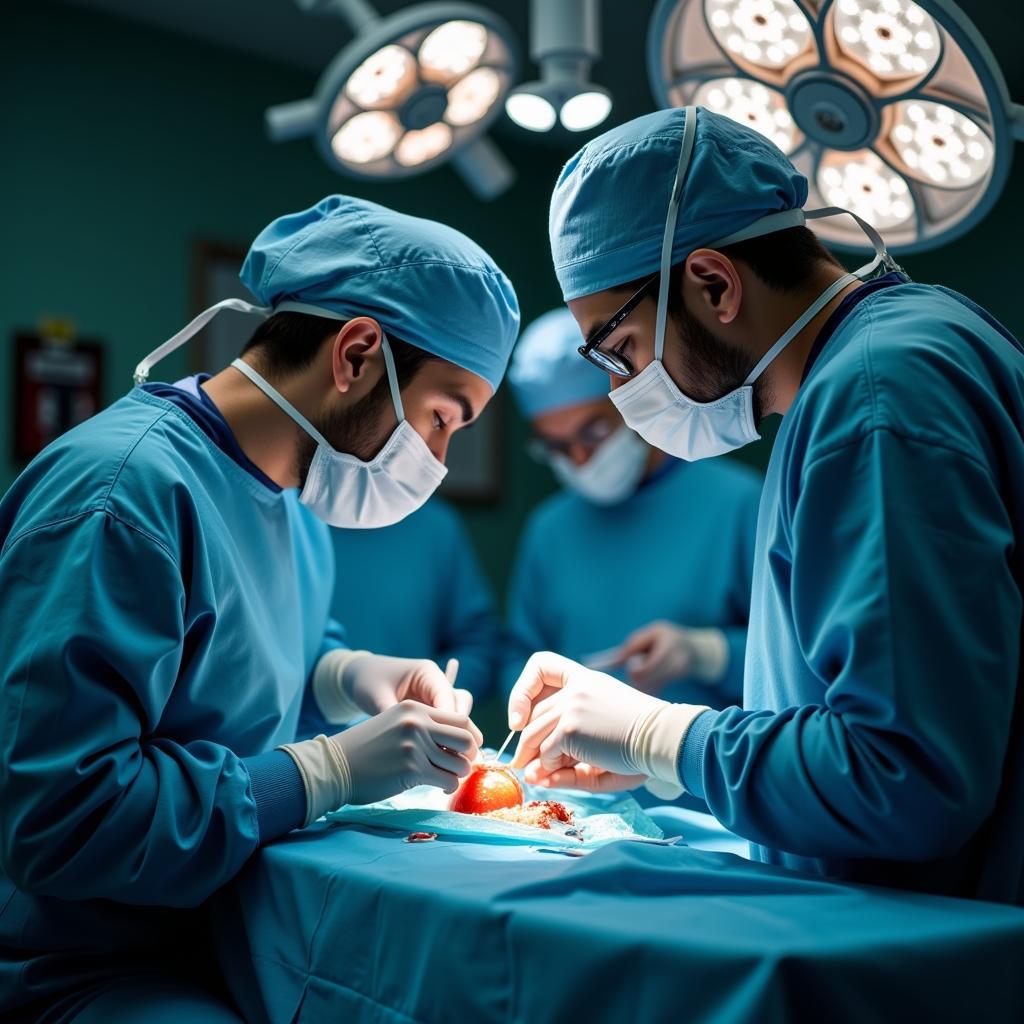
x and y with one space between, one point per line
347 684
663 652
586 730
408 744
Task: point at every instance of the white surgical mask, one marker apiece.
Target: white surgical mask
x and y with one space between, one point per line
340 489
653 405
611 474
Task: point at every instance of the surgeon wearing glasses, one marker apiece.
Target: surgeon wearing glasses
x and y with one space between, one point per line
881 735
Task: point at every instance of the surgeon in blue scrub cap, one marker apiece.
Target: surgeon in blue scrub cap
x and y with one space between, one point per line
881 737
167 577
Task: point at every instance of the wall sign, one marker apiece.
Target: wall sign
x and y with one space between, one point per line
57 384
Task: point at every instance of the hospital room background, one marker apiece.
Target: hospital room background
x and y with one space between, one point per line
797 800
135 147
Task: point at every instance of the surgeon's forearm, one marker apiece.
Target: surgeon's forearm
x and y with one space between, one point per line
816 783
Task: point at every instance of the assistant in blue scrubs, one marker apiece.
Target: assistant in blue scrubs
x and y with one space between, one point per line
689 531
635 537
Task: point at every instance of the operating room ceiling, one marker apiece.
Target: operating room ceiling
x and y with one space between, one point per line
278 30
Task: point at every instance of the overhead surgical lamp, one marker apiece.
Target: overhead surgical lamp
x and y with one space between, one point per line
410 92
565 40
892 109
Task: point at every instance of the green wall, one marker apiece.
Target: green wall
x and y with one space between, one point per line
123 145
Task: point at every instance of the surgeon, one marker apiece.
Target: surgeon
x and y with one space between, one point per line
167 574
398 608
672 617
881 735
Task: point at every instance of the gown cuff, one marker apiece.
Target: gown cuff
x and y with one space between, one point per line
691 754
279 794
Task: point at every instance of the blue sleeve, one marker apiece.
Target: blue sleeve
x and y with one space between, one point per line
97 801
279 792
334 637
730 685
741 575
902 756
470 629
525 631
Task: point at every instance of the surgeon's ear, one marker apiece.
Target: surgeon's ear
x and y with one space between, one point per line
351 348
718 282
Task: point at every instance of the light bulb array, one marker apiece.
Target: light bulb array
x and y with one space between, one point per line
939 145
751 104
893 39
767 33
866 186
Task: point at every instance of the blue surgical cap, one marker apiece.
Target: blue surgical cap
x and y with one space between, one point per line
547 371
424 282
607 217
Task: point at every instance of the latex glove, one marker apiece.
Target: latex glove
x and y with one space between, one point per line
408 744
663 652
349 683
586 730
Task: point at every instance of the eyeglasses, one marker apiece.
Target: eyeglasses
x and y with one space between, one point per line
590 437
614 362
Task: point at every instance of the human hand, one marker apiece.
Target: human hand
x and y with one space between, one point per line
662 652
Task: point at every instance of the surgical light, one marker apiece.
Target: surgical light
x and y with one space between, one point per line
410 92
893 108
531 111
585 110
565 40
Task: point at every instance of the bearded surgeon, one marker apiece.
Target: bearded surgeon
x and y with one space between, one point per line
167 575
880 738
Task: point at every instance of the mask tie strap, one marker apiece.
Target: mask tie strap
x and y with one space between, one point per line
794 218
882 257
389 365
685 149
781 220
289 306
389 359
282 403
798 325
176 341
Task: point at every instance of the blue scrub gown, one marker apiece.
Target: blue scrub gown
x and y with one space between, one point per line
681 548
883 740
162 612
422 593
